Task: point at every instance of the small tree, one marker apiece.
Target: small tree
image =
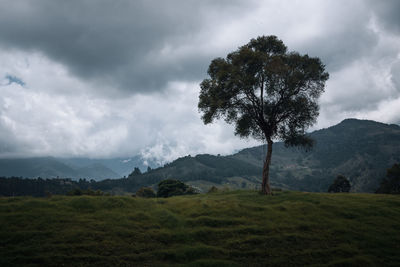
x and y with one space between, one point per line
340 185
266 92
391 184
170 187
147 192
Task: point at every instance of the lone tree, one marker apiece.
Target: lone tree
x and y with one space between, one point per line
266 92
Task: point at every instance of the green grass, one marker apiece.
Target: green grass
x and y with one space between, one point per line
240 228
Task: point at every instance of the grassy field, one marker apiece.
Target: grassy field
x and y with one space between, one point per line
240 228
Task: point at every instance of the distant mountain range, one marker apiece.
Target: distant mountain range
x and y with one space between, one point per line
75 168
361 150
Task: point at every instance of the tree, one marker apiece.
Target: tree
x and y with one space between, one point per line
266 92
146 192
340 185
170 187
391 184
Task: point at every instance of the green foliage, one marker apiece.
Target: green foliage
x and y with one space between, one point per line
265 91
340 185
146 192
240 228
391 184
170 187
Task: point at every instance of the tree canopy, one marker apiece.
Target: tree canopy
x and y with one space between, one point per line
171 187
266 92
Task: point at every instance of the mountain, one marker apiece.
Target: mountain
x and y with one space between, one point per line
75 168
361 150
119 167
97 171
46 167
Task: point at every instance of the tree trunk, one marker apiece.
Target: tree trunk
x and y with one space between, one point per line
266 188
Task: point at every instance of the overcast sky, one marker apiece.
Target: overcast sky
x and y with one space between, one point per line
119 78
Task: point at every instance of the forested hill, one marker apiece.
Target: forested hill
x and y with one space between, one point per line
361 150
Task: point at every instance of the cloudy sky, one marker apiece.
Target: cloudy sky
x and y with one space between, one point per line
118 78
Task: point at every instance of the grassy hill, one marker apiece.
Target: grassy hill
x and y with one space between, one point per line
219 229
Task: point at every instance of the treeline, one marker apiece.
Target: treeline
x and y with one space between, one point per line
18 186
39 187
210 168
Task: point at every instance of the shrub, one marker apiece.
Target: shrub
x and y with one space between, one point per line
340 185
170 187
146 192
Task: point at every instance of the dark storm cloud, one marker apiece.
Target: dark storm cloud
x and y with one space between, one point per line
388 12
127 44
345 37
395 71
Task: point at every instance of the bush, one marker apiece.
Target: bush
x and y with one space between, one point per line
391 184
340 185
146 192
170 187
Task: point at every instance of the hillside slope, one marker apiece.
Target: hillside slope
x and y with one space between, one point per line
240 228
361 150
